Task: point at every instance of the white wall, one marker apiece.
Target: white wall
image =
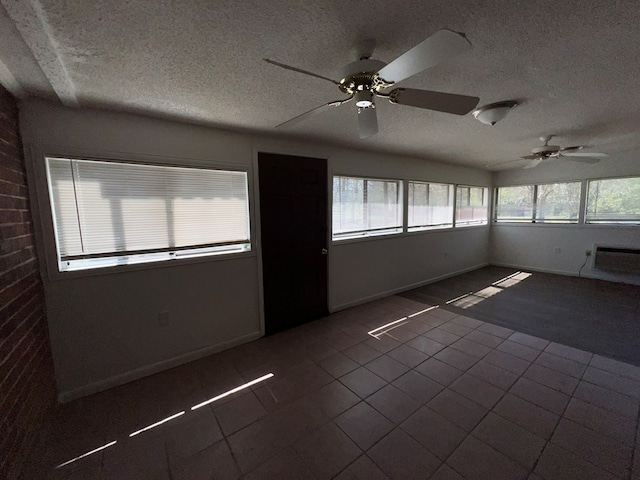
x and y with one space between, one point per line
561 248
104 327
370 268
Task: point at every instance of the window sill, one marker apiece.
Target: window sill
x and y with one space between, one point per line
55 275
366 238
407 234
471 225
563 225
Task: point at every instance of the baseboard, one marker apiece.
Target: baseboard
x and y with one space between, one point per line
536 269
147 370
395 291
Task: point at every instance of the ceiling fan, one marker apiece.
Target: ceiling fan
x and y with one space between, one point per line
546 151
367 78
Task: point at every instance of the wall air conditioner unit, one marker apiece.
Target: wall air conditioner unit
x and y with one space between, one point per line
617 259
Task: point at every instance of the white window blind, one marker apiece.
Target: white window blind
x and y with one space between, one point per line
430 206
111 213
471 205
365 207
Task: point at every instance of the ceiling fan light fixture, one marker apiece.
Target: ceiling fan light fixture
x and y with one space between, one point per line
494 112
364 99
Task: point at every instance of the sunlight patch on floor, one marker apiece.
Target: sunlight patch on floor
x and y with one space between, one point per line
376 332
153 425
233 390
87 454
473 298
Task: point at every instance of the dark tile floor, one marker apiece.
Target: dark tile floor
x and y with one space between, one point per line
384 390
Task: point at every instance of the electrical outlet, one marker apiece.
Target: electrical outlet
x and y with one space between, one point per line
558 250
588 253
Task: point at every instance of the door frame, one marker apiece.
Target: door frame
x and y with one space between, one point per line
301 152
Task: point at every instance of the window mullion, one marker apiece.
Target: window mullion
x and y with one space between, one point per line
365 204
534 208
404 185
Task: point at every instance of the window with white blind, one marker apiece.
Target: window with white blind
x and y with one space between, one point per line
471 205
365 207
111 213
430 206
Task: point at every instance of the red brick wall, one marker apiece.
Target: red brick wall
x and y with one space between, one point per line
27 390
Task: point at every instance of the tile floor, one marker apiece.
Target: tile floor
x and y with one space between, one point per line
436 395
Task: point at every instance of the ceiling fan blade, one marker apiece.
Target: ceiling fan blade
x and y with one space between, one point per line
533 156
442 102
313 112
439 47
299 70
584 154
584 159
534 163
577 147
367 122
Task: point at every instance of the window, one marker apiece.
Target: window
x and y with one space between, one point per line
558 202
109 213
365 207
430 206
549 203
471 205
515 204
614 200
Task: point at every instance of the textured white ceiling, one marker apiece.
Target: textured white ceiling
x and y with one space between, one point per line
573 65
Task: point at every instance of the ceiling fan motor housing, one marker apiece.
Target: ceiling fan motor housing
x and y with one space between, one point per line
360 76
546 150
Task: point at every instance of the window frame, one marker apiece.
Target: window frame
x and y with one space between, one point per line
452 198
378 232
485 191
405 229
608 222
43 212
496 199
534 205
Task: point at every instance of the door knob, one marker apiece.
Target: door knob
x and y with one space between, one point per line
324 251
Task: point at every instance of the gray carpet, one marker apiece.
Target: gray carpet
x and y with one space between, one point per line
594 315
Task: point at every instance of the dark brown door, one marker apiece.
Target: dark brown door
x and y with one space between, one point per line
293 221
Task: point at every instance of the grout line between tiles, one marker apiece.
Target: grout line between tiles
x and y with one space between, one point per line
444 462
166 453
581 379
466 371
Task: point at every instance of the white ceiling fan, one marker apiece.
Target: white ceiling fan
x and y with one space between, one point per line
546 151
367 78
